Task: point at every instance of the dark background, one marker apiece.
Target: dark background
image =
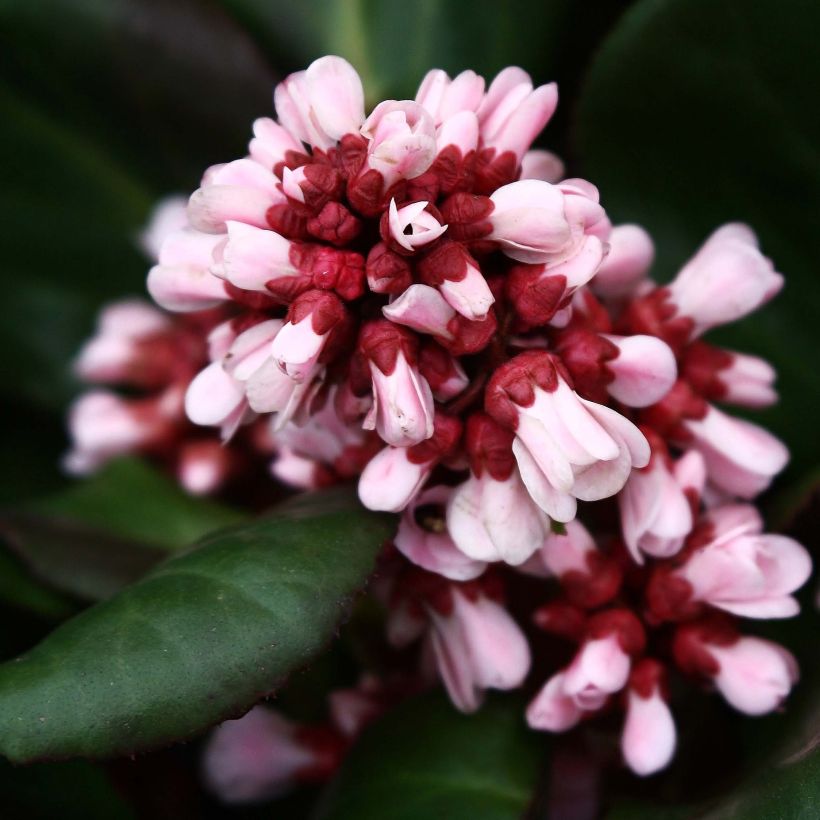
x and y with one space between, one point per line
685 113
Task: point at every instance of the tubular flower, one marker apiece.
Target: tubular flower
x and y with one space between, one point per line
413 298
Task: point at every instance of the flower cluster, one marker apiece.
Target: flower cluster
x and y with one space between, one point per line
417 300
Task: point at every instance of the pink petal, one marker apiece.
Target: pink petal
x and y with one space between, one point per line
649 738
645 370
543 165
390 481
552 709
336 96
253 256
431 550
755 675
493 520
498 651
558 505
212 396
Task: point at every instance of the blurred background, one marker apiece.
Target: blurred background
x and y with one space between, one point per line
685 113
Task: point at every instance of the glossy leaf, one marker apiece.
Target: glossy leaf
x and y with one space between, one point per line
76 559
106 532
132 500
696 113
200 639
425 759
21 591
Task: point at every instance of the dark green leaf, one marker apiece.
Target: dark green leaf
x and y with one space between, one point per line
69 215
102 534
427 760
76 559
71 791
789 790
200 639
106 105
697 113
131 500
21 591
166 87
393 44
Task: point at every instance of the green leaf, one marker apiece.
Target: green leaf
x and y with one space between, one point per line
73 790
100 535
69 216
393 45
132 500
74 558
696 113
21 591
426 760
106 105
199 640
786 791
164 87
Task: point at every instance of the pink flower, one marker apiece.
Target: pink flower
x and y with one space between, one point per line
402 411
182 281
401 140
216 399
754 675
240 191
539 223
748 573
644 370
168 216
297 471
103 425
749 381
315 319
459 279
442 372
261 755
543 165
513 113
648 739
459 131
725 280
423 309
424 539
352 709
412 226
252 257
741 458
552 709
109 356
272 143
491 517
250 362
623 272
567 448
599 669
478 646
444 98
724 375
323 103
204 465
395 475
655 503
324 436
